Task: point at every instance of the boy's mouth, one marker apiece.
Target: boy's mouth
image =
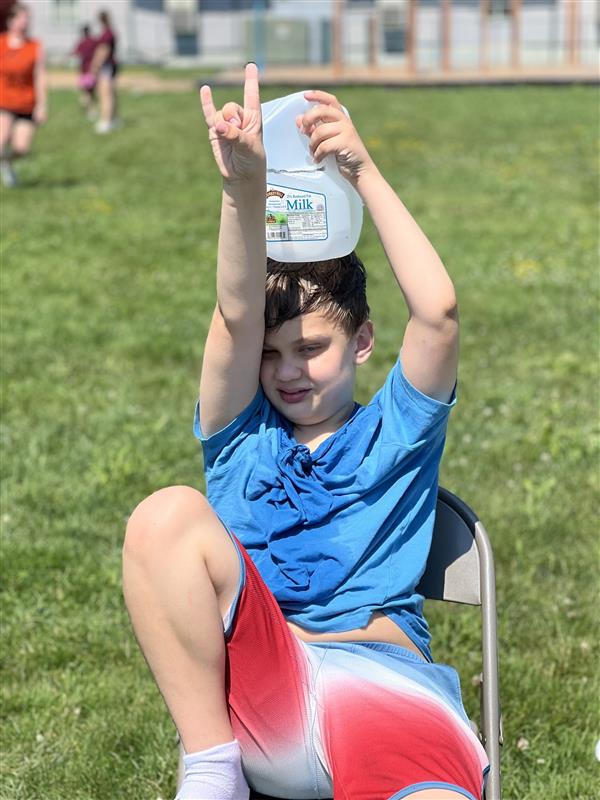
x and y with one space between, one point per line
297 396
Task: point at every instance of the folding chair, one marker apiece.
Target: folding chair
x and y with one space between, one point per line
460 569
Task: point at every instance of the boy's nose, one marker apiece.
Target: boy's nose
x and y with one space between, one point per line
288 371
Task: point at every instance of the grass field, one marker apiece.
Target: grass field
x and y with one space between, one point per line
107 277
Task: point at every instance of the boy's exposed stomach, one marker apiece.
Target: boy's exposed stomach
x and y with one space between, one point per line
380 628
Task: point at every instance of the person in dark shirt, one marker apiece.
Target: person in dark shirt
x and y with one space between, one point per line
84 50
105 67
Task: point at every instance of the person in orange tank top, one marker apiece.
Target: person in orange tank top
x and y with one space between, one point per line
23 95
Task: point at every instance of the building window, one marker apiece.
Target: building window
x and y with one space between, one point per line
186 44
233 5
496 6
394 29
65 10
150 5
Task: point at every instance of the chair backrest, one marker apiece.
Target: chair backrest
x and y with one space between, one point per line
453 569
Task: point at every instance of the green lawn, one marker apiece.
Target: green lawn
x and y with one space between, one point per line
108 252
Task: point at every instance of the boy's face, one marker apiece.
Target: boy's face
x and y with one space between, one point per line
309 365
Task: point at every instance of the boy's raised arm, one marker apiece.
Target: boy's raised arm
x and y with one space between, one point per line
232 353
430 345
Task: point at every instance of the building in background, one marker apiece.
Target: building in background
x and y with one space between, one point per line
415 36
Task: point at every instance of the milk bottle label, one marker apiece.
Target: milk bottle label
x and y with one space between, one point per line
295 215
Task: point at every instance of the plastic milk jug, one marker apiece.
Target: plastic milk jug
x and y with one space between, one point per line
313 213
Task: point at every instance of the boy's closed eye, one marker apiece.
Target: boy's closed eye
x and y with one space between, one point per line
306 349
311 349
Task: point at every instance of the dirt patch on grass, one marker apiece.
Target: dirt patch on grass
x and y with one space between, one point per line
133 81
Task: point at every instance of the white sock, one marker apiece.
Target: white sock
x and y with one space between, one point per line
214 774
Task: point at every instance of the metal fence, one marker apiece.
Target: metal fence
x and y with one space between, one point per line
410 36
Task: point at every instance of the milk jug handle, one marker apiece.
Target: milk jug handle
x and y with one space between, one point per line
287 149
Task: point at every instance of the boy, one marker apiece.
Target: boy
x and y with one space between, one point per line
322 685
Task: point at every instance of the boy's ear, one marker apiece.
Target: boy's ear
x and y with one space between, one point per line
364 341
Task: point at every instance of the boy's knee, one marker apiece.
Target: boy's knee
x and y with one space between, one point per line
161 519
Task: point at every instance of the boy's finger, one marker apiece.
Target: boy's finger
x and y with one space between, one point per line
324 149
322 97
320 114
251 89
227 131
232 112
324 132
208 107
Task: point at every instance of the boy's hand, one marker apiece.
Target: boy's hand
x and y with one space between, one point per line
235 132
331 131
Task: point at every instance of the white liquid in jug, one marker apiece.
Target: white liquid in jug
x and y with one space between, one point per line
312 212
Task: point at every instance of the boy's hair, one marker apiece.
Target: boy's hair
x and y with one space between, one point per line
336 287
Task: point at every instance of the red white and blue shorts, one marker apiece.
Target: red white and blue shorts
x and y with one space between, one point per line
348 720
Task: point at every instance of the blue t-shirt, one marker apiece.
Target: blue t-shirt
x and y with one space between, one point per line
344 531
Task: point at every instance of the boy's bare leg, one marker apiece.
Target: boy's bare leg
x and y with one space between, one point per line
180 575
